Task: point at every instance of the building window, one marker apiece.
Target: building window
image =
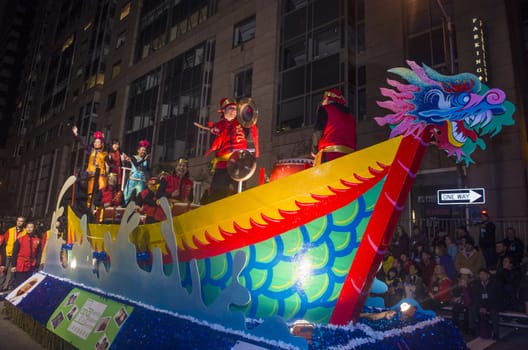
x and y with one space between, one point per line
152 33
120 39
185 94
356 27
187 14
141 108
244 31
357 91
125 11
110 103
243 82
116 69
425 33
312 56
184 83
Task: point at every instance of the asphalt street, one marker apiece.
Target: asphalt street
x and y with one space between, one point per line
14 338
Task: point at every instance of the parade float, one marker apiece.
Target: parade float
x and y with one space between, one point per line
289 264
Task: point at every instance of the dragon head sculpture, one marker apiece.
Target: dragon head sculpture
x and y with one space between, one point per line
457 110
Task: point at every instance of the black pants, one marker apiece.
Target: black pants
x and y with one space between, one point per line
7 278
474 319
460 316
222 185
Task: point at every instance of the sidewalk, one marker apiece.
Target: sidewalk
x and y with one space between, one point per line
511 339
14 338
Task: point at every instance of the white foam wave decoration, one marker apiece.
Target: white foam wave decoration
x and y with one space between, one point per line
126 280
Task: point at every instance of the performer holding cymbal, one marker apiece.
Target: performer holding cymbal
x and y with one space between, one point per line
230 137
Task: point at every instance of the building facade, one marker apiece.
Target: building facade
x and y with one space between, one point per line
150 69
16 20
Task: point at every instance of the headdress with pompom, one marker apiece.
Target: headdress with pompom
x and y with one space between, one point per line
144 143
98 135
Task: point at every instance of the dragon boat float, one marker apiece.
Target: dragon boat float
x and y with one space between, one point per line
299 254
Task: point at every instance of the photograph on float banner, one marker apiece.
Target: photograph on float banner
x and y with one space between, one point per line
20 292
87 320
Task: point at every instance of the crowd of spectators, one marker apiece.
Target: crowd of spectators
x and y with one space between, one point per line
452 269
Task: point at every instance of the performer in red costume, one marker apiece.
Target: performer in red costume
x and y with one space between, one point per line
334 132
147 201
230 137
115 161
108 198
177 187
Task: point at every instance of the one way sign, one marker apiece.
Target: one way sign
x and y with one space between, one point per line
461 196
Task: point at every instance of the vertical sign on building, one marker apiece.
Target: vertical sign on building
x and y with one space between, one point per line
479 49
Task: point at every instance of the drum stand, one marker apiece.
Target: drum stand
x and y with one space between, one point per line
241 165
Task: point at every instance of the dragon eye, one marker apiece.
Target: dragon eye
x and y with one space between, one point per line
463 98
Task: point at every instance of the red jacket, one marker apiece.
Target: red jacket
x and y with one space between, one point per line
115 164
27 252
150 208
109 194
441 289
171 183
230 137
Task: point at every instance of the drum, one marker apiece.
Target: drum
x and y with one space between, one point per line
179 208
285 167
110 215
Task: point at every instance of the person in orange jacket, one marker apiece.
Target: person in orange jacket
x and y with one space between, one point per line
97 168
9 238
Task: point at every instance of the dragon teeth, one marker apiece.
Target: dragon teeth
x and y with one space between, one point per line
489 116
477 119
458 135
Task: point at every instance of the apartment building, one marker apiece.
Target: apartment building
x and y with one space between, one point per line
150 69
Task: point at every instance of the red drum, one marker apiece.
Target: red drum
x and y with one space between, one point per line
285 167
110 215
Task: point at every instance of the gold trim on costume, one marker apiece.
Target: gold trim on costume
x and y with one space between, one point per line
215 160
333 148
